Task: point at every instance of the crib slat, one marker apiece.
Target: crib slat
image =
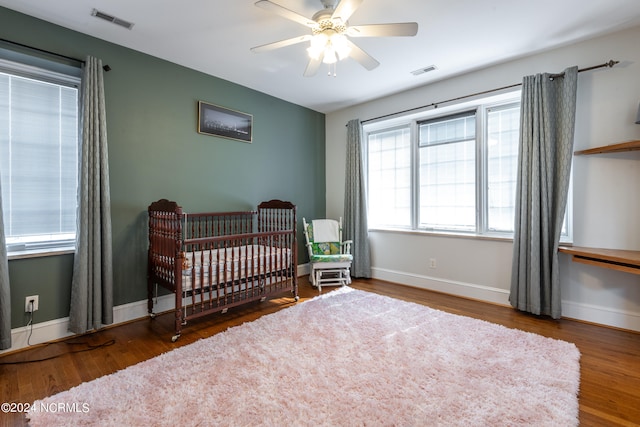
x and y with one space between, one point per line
210 279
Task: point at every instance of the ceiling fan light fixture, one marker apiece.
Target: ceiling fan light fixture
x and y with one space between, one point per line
330 56
340 45
317 46
331 48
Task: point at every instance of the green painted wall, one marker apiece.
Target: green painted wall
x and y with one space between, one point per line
155 152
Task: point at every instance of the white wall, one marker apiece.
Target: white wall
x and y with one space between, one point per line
606 204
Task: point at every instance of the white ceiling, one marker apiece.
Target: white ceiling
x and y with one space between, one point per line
457 36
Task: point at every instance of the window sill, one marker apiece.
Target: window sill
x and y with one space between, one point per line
37 253
447 234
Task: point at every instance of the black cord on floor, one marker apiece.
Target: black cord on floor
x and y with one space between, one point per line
29 325
89 347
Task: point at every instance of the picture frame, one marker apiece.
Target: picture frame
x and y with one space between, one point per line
219 121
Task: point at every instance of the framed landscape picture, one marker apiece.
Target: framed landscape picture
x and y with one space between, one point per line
219 121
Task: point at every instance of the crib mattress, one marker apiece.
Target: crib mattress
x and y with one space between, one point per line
219 266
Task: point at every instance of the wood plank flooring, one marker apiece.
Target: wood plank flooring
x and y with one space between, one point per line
610 362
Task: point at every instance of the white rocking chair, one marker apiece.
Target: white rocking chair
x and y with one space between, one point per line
330 258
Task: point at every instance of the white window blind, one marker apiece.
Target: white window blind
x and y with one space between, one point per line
38 157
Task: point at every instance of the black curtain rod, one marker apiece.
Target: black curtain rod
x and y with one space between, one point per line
105 67
609 64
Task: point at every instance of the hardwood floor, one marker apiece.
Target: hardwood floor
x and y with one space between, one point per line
610 361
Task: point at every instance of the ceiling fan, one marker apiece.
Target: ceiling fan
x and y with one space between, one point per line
329 40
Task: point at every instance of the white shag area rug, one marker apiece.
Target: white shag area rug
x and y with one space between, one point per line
347 358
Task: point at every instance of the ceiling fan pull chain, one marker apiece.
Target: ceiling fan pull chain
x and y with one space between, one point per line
334 66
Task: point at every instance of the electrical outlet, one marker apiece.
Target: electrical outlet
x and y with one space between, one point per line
432 263
29 306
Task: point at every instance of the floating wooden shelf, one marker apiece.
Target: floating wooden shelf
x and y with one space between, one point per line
613 148
615 259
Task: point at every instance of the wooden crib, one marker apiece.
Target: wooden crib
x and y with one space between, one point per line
217 260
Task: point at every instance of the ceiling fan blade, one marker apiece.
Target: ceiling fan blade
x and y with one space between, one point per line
402 29
312 67
281 43
345 9
285 13
366 60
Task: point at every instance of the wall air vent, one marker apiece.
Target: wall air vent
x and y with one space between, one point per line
112 19
424 70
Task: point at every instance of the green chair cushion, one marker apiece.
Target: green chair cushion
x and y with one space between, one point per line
326 248
331 258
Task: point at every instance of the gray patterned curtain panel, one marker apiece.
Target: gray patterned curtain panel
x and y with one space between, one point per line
547 126
92 285
355 203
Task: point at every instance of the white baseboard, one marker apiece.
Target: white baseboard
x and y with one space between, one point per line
600 315
40 332
463 289
304 269
138 309
616 318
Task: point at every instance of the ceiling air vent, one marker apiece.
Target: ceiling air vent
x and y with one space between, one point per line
112 19
424 70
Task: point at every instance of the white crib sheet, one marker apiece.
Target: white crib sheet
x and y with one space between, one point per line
234 263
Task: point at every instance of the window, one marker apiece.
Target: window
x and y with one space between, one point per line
448 170
447 152
38 156
390 175
503 126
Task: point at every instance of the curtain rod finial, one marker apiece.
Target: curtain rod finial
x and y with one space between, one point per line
611 63
106 68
